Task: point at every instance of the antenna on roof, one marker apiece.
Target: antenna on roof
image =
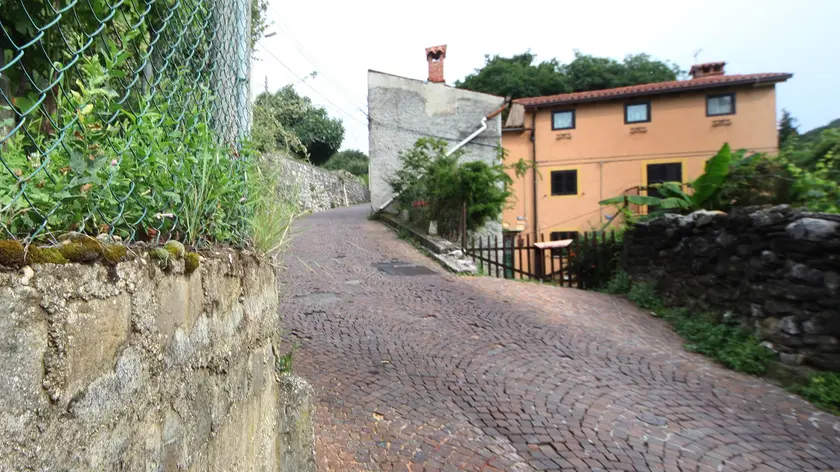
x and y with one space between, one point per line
697 53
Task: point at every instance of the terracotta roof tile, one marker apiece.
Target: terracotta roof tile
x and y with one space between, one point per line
654 88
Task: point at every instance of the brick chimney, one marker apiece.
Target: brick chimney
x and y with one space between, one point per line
435 55
706 70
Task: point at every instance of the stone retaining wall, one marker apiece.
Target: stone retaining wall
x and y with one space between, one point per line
136 368
776 268
318 189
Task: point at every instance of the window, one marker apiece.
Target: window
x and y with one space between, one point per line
658 173
637 113
563 119
564 182
721 104
559 236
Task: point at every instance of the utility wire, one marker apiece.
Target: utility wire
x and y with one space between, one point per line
635 157
338 108
288 32
572 218
455 139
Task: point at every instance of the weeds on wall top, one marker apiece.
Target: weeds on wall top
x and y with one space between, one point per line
109 126
141 176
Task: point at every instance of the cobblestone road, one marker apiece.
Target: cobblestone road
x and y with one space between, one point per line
437 372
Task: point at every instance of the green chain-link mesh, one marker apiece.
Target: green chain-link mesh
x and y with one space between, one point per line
114 115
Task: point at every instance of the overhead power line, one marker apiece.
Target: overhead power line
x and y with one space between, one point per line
297 44
337 108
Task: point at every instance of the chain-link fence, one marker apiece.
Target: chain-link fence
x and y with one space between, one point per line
123 117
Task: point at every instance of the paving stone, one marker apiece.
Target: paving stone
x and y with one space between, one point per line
439 372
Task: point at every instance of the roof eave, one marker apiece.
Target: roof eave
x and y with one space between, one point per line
758 81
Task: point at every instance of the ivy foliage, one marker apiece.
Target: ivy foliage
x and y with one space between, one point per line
435 186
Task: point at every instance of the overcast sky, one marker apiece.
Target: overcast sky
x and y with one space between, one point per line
341 40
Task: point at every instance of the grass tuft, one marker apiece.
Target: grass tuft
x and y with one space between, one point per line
275 209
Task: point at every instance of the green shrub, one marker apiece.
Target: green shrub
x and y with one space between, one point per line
618 284
822 389
433 185
644 295
729 344
744 353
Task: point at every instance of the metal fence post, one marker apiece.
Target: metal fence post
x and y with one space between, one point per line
243 72
231 83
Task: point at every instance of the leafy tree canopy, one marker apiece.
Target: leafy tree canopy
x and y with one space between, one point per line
815 134
351 160
284 120
522 76
787 128
819 146
259 20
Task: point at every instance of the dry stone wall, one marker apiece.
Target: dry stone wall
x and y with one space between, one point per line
135 368
776 268
317 189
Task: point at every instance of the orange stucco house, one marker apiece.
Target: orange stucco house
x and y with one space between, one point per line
589 146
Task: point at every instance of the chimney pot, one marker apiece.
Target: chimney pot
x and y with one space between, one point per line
707 69
435 56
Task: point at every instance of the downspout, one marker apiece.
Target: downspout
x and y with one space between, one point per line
534 170
601 191
469 138
457 146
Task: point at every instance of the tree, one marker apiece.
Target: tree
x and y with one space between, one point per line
587 72
284 120
787 128
436 185
517 77
520 76
815 134
351 160
259 21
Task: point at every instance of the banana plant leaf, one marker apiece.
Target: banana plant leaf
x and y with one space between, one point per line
631 199
717 168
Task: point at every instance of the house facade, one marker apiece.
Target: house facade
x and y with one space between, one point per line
589 146
402 110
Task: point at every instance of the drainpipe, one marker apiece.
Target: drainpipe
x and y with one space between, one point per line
469 138
601 191
457 146
534 170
